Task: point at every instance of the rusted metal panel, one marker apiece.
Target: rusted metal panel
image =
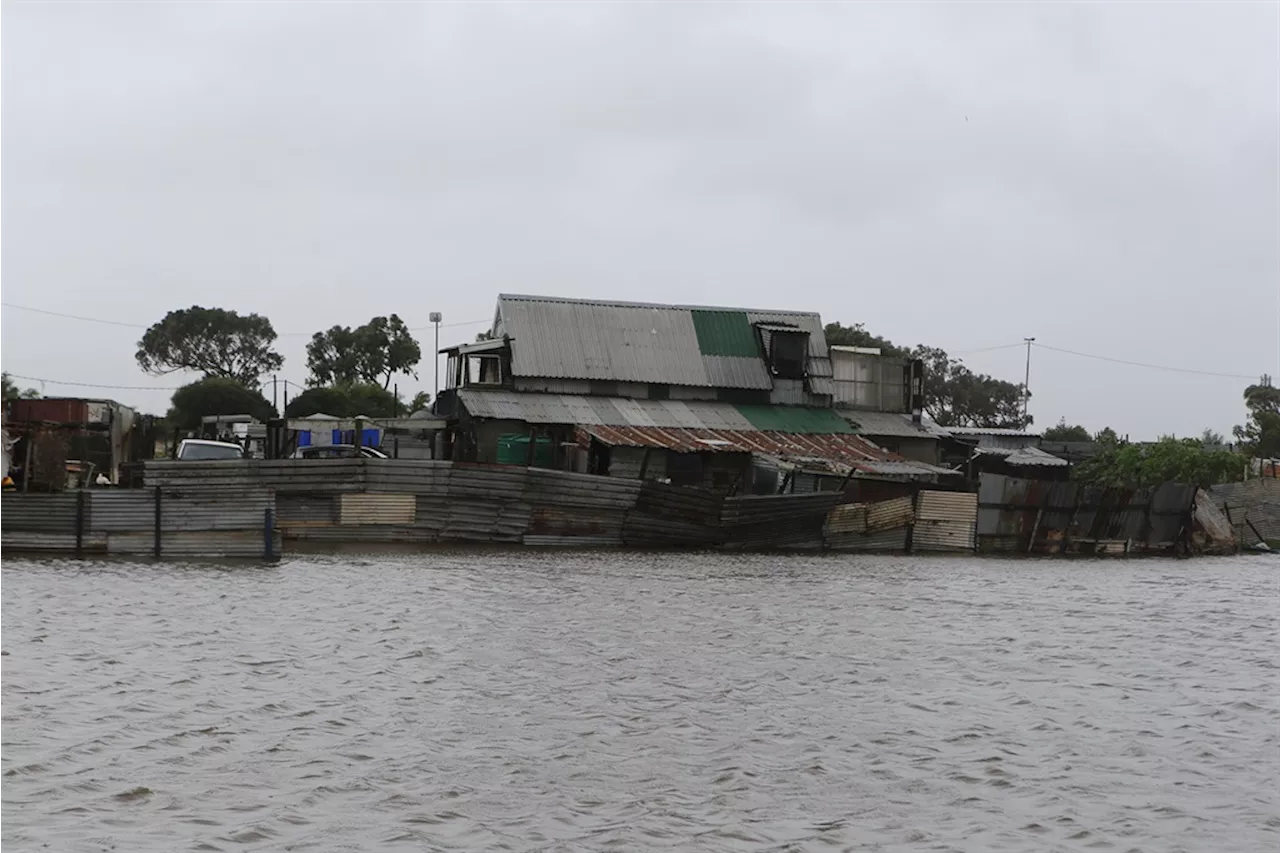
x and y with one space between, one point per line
376 508
56 410
884 515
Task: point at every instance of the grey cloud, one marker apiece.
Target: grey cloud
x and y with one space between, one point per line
1101 176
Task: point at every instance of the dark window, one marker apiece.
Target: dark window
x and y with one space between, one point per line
659 392
604 387
684 469
787 354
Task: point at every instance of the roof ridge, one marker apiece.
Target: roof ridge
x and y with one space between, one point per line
621 303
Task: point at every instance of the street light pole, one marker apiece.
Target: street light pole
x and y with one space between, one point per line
435 319
1026 383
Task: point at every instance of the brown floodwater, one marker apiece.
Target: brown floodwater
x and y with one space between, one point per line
526 700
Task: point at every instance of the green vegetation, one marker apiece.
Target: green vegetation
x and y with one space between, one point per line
1064 432
216 396
374 352
953 394
1174 460
345 401
1260 435
211 341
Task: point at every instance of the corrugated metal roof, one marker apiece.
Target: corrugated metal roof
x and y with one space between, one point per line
674 414
886 423
1023 456
980 431
843 449
636 342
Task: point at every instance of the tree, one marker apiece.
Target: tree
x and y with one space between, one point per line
216 396
1212 438
373 352
1169 460
211 341
419 402
1260 434
956 396
857 336
13 392
1062 432
347 400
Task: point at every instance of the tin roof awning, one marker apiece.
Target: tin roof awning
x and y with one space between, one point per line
477 347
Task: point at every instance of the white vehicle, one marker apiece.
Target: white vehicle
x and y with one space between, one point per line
337 451
199 449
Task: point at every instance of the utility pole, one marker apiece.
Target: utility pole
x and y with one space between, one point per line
1026 383
435 319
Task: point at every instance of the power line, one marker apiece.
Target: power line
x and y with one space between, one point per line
989 349
140 326
93 385
1144 364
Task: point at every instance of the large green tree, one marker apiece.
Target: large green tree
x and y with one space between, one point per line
954 395
216 396
1260 434
211 341
345 401
374 352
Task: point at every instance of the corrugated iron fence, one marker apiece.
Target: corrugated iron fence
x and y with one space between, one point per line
1040 517
223 508
197 521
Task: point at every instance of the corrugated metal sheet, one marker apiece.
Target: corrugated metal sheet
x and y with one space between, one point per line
945 521
885 515
883 541
895 513
376 508
947 506
633 342
297 510
45 513
123 511
887 424
724 371
850 450
725 333
1023 457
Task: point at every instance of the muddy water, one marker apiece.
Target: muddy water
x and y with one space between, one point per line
550 701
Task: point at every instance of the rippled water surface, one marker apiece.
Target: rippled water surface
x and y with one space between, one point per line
552 701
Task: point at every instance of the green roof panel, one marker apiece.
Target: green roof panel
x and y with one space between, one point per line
795 419
725 333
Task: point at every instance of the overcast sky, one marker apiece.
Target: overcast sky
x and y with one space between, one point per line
1104 177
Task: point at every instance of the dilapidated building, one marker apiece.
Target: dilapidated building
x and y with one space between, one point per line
717 397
